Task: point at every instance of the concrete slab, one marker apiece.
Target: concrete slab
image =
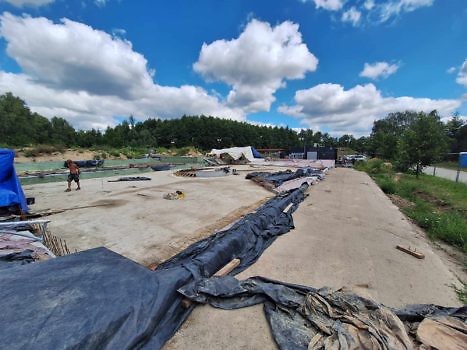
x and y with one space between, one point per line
133 219
346 233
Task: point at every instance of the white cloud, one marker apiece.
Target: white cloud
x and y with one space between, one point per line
88 76
119 32
257 63
378 70
462 75
352 16
354 110
451 70
369 4
331 5
392 8
28 3
100 3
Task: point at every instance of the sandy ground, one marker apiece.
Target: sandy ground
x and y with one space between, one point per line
57 156
449 174
134 220
346 233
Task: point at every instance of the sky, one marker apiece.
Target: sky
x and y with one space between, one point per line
329 65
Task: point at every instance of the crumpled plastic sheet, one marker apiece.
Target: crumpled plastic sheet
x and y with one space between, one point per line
303 317
97 299
17 258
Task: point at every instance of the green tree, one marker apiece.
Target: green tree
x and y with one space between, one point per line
422 143
386 134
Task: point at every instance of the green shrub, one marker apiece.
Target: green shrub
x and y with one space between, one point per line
387 184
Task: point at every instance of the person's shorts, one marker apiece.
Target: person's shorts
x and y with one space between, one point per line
73 177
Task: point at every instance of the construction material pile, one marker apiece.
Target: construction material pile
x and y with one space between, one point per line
22 242
303 317
205 172
286 180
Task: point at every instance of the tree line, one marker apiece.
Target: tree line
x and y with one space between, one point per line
21 127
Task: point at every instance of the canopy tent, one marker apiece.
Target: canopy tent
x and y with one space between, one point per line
236 153
11 192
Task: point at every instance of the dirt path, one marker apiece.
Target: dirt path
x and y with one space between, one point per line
346 234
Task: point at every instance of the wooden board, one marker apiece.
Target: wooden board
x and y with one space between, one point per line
411 251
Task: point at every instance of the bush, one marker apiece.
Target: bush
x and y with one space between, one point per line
374 166
387 184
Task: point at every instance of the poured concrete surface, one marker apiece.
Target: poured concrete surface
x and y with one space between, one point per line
133 219
346 233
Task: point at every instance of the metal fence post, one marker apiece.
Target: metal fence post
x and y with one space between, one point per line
434 170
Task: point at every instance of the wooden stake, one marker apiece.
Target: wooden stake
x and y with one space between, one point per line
186 303
413 252
287 208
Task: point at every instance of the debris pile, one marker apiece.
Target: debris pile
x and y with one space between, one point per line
131 178
303 317
286 180
22 242
174 195
206 172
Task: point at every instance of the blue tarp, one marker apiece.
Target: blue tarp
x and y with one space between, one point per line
11 192
256 154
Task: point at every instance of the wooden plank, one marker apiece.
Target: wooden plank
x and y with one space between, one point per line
287 208
412 252
228 268
224 271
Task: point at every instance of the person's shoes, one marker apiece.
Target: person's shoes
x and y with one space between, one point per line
68 190
78 189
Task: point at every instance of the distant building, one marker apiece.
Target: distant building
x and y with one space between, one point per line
313 153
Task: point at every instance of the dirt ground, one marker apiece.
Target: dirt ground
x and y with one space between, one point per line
345 236
133 219
56 156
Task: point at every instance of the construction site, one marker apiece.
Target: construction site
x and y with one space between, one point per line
240 253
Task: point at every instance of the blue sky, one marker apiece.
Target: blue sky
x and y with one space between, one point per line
332 65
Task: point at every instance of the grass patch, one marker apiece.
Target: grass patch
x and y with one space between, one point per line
387 183
440 205
461 292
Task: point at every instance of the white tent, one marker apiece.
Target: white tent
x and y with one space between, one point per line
235 152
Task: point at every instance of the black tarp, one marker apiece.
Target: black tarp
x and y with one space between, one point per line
99 299
278 178
304 318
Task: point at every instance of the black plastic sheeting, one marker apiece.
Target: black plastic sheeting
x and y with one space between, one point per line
278 178
131 178
303 317
99 299
245 240
16 258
